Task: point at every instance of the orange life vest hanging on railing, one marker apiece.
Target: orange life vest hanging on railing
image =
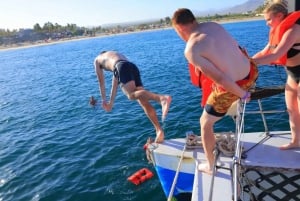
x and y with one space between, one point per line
201 81
276 34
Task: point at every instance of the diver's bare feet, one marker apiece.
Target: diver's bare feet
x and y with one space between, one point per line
165 104
291 145
204 167
159 137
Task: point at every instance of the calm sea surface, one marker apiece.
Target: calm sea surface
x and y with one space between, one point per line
55 147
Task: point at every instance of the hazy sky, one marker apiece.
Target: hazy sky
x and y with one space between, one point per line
16 14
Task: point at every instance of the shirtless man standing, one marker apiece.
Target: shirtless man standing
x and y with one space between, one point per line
218 56
127 75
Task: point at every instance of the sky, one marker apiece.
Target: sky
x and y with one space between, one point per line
15 14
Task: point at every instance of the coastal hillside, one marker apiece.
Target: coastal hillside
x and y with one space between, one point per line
246 7
49 32
250 5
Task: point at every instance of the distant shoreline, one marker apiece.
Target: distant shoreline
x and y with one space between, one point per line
43 43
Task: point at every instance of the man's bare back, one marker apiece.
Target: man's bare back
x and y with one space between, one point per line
109 59
217 46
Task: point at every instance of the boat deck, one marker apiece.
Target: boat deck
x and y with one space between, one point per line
267 152
204 185
260 150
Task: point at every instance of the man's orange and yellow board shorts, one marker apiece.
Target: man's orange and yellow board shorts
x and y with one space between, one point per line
220 100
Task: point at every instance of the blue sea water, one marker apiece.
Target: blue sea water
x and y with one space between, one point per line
55 147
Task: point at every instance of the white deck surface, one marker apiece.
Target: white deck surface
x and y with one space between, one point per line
205 188
264 152
267 153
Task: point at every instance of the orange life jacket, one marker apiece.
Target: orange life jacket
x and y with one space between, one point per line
276 34
201 81
140 176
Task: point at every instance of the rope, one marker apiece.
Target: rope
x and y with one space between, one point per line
148 147
176 175
226 144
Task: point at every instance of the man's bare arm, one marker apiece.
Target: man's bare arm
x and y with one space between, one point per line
101 80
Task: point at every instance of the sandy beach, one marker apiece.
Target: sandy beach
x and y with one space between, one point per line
64 40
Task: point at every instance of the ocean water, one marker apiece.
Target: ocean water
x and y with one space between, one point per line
55 147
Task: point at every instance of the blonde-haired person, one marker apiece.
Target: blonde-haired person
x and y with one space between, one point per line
283 2
283 48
